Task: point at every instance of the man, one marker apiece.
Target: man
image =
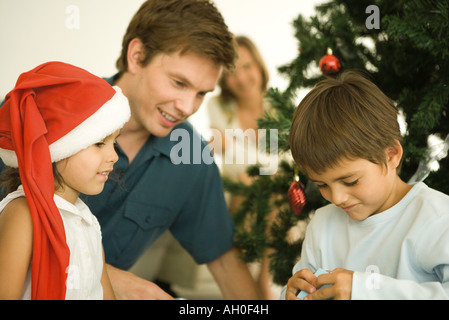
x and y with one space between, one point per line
173 54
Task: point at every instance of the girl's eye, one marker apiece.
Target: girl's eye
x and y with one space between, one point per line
321 186
100 144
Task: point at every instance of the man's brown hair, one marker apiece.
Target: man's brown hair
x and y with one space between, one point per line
344 118
188 26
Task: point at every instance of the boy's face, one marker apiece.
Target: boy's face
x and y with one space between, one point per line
169 89
359 187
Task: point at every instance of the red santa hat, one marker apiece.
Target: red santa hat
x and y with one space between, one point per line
54 111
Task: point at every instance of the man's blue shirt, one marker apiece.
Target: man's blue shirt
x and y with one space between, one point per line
142 200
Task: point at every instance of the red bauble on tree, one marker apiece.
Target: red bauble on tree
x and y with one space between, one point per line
296 195
329 64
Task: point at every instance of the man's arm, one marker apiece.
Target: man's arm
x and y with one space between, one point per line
233 277
128 286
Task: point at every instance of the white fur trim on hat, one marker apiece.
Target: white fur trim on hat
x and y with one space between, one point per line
106 120
8 157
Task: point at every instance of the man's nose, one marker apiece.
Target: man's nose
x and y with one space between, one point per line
186 105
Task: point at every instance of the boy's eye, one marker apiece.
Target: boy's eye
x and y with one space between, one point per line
321 186
100 144
350 184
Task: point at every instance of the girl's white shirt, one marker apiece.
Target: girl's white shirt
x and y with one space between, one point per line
83 237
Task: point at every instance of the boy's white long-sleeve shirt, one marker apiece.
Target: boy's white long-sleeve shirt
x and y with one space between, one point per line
401 253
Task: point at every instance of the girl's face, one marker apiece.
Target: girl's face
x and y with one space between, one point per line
360 187
246 80
87 171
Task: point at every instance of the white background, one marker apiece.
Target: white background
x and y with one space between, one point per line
36 31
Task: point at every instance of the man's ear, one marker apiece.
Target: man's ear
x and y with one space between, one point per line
135 55
394 155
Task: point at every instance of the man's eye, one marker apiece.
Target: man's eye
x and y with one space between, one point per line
179 84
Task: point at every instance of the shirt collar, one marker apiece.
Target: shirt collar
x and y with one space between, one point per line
163 145
79 208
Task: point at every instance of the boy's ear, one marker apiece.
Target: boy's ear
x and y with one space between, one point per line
135 55
394 155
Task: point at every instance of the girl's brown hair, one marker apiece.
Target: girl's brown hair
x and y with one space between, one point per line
188 26
348 117
10 180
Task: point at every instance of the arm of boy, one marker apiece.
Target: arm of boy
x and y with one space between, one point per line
16 246
339 281
303 280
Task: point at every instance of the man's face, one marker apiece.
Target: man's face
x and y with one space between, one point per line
169 89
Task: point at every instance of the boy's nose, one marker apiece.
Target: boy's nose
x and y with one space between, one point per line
339 197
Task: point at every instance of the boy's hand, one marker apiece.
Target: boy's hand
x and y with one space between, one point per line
340 281
301 281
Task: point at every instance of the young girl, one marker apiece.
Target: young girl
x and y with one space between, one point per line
57 131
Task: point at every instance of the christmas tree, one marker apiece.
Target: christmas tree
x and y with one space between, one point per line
403 47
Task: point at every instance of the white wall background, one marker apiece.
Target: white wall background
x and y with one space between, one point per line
36 31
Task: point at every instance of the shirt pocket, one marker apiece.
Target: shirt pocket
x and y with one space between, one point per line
147 216
141 225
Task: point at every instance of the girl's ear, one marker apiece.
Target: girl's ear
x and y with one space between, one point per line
394 155
135 55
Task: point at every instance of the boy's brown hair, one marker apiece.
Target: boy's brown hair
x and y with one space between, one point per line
344 118
188 26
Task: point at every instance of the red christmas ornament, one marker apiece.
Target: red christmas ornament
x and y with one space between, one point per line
329 64
297 196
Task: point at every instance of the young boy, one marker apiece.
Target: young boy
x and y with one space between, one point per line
380 238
